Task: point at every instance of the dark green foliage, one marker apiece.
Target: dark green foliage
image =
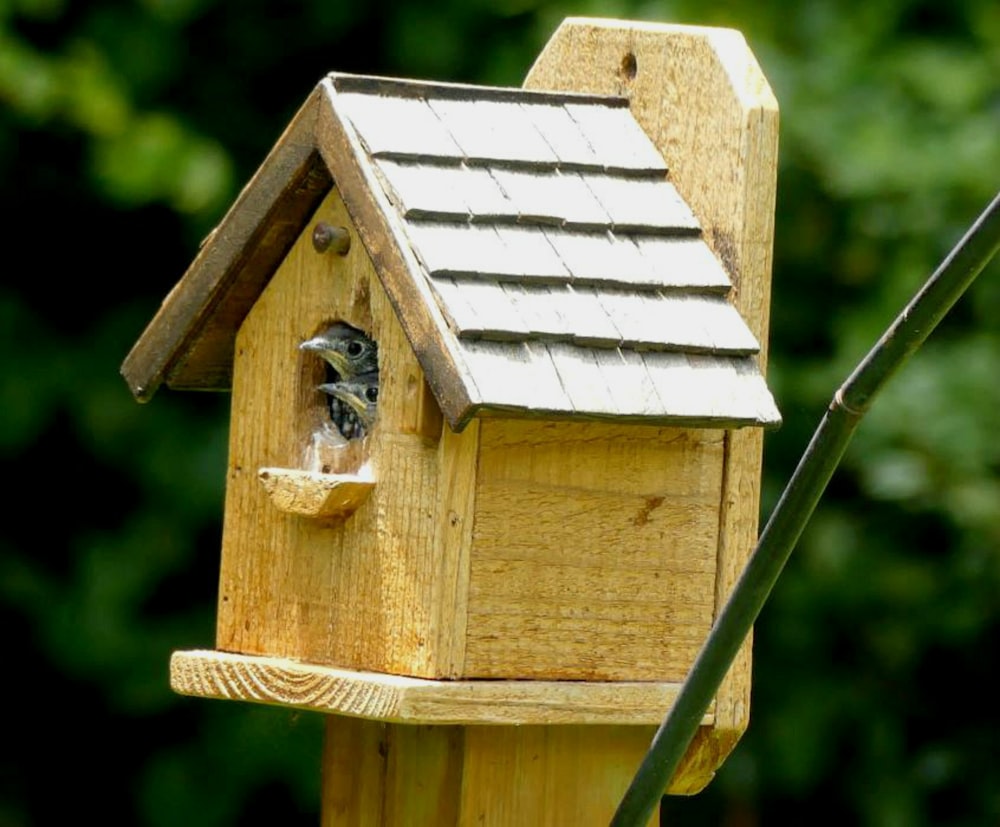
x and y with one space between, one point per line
126 129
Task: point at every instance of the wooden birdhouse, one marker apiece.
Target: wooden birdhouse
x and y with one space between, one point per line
553 481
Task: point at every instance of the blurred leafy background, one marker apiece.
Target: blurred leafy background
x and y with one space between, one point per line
126 129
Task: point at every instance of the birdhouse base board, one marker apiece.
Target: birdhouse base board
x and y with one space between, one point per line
399 699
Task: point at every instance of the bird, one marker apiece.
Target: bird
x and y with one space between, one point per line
347 350
358 398
349 353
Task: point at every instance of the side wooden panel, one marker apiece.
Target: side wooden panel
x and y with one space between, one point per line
701 96
358 591
594 550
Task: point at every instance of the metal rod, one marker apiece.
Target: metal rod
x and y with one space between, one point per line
796 505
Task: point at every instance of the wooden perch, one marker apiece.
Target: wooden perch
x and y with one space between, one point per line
312 494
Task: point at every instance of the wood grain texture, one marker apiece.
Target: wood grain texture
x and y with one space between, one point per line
393 698
391 775
700 95
312 494
356 593
594 550
455 518
189 343
354 769
549 776
414 197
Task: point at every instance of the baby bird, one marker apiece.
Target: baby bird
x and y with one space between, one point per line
349 355
345 349
359 400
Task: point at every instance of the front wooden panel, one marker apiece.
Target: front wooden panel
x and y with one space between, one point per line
363 592
594 550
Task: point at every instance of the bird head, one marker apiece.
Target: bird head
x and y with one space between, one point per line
360 394
349 351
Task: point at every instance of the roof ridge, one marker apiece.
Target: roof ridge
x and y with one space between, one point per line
404 87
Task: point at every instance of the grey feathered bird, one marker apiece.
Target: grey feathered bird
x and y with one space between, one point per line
349 351
349 354
359 400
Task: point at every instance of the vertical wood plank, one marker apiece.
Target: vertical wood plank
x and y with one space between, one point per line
700 95
458 456
395 775
424 775
548 776
354 772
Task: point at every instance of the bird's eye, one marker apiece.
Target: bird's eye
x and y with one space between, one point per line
371 394
355 348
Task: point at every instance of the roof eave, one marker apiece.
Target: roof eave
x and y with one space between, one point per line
395 264
189 342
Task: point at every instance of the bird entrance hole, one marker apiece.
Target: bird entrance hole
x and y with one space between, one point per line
339 395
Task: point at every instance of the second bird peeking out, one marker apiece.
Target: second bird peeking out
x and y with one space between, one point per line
351 383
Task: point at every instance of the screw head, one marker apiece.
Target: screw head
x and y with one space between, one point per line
328 237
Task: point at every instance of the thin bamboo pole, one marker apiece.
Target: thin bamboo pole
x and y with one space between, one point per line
851 401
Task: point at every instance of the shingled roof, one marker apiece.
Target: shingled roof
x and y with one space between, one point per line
567 277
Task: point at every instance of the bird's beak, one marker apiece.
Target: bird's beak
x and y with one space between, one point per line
321 347
357 404
317 344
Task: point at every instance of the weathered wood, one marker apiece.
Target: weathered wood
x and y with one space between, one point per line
700 95
378 118
690 265
520 380
189 343
642 205
515 378
564 135
492 130
548 199
385 240
514 559
313 494
496 318
394 698
616 138
577 370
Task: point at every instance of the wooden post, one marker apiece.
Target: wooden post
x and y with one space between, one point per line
700 95
430 776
